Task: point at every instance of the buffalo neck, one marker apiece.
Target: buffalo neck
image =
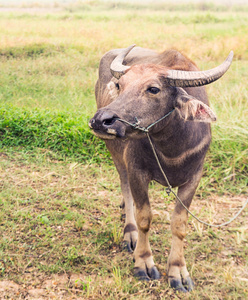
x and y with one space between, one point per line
180 136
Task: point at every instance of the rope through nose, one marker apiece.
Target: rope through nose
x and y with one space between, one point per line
144 129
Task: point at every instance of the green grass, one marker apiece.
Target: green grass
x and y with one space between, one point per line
59 196
65 133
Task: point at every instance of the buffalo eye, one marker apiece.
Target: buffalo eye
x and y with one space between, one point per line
153 90
117 86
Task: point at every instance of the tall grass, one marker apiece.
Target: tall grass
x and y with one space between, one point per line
99 5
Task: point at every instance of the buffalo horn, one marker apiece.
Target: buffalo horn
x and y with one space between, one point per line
176 77
198 78
117 68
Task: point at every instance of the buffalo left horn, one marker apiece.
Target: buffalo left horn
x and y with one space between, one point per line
117 68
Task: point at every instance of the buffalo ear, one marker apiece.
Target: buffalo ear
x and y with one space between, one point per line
112 90
192 109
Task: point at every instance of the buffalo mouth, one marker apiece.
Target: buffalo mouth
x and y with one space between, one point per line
106 126
110 134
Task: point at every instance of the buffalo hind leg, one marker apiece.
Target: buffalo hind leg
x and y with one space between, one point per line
178 275
122 207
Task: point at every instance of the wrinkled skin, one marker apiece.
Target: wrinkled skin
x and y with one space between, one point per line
181 141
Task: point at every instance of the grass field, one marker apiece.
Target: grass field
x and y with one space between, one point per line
59 215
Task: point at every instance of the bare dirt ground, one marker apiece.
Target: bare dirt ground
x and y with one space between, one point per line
51 287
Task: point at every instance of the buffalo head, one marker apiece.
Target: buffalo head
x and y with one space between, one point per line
144 93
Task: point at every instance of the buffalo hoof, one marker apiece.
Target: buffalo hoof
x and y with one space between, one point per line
154 273
151 274
184 286
130 237
188 284
129 246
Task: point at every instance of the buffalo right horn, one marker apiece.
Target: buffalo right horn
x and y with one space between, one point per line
117 68
180 78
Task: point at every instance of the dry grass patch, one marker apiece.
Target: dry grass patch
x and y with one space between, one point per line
62 236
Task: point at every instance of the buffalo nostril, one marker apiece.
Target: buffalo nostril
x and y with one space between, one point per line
91 122
109 122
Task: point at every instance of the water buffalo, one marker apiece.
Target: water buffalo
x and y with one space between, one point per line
135 89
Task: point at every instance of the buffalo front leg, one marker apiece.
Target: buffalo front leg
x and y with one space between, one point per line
127 206
144 268
178 274
130 228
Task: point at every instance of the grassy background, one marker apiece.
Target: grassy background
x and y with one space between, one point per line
49 68
59 205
